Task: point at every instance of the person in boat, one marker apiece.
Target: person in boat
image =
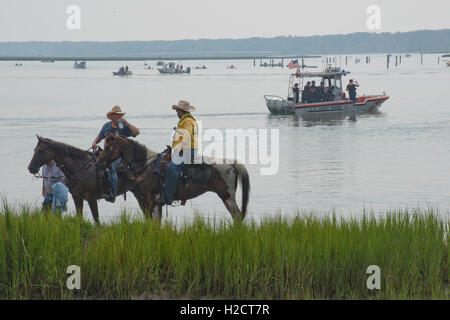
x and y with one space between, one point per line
313 92
296 91
117 124
321 92
305 92
184 147
326 94
51 176
351 88
126 69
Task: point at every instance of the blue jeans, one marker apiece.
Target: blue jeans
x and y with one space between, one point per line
172 177
112 175
48 200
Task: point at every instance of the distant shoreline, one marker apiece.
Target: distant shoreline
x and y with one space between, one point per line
151 58
362 43
191 58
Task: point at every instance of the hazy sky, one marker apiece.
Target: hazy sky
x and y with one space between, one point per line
111 20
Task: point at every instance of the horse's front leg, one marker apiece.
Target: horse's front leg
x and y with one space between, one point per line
156 211
78 204
93 205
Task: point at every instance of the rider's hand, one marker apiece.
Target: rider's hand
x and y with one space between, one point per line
94 145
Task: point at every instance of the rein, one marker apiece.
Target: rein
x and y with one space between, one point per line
86 165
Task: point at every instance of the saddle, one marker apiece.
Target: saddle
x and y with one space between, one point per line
103 182
190 172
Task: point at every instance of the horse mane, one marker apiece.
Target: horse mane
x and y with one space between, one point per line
140 151
65 149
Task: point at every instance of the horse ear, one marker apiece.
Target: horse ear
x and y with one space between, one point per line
39 137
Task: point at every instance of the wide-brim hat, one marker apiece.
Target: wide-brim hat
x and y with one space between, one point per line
114 110
184 106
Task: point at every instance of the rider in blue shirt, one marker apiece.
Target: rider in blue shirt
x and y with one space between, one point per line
117 124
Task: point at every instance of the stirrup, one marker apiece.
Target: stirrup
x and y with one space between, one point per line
109 197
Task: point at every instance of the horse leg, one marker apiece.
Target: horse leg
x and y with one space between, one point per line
94 208
157 212
78 205
233 208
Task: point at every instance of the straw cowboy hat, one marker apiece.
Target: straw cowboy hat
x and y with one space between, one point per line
114 110
184 106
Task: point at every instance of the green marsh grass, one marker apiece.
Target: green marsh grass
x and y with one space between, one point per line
307 257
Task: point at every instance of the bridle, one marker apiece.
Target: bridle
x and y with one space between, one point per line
72 177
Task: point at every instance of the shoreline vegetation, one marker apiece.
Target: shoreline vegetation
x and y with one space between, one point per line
418 41
307 257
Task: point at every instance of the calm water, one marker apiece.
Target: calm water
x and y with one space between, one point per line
396 159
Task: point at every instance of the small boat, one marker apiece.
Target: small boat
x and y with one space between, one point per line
79 65
335 101
200 67
407 55
47 61
231 67
160 63
122 74
171 69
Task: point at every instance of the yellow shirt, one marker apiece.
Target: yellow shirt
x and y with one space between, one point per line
187 127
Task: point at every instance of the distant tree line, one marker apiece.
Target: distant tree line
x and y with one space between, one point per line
354 43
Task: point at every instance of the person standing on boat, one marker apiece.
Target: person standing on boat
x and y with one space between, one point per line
296 91
351 88
184 147
321 92
305 92
313 92
117 124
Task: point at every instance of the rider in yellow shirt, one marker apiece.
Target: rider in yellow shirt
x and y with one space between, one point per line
184 145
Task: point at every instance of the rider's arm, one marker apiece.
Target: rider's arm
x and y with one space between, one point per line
96 140
133 129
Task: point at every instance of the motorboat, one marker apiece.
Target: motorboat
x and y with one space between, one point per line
79 65
333 100
122 72
172 69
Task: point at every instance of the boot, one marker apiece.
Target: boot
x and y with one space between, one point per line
162 199
110 197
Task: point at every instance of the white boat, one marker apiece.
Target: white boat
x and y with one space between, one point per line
171 69
79 65
332 101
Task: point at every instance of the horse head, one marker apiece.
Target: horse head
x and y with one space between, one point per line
111 152
42 155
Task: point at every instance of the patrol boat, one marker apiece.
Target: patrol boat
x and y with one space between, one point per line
333 101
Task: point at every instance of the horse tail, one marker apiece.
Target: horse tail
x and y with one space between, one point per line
244 178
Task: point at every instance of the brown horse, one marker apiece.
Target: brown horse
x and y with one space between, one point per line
219 178
79 169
